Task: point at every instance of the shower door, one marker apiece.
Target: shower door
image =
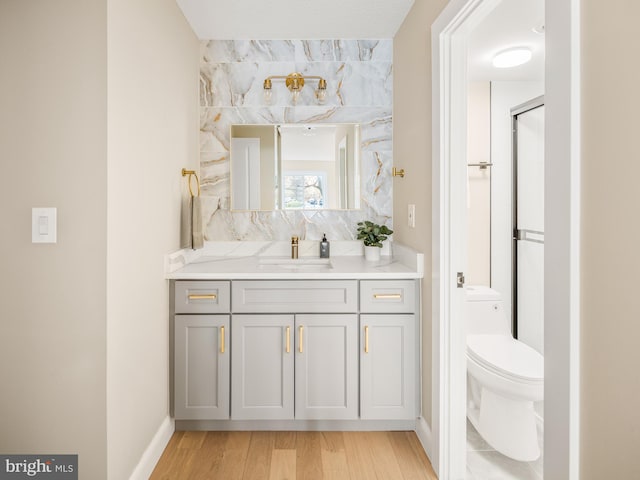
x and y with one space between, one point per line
528 223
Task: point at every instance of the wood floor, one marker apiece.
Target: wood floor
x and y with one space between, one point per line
294 455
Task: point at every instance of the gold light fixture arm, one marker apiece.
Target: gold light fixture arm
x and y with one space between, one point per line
295 82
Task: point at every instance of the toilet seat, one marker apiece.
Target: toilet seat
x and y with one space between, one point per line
507 357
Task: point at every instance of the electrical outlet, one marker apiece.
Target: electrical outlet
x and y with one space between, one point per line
411 216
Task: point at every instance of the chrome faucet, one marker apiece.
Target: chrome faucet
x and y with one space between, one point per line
294 247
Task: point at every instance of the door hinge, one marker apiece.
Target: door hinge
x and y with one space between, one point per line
460 279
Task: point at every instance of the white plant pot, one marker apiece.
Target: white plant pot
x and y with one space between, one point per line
372 254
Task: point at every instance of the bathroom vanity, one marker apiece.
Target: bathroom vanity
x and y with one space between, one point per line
265 342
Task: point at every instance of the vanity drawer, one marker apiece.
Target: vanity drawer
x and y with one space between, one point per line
297 296
202 296
387 296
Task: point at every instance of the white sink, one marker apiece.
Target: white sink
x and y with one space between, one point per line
296 263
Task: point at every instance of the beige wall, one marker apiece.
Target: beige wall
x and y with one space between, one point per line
84 333
153 132
52 296
412 151
610 327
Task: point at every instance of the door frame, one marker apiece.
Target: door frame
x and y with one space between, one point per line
562 236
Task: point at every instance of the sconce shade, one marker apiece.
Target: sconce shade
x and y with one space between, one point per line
268 92
321 92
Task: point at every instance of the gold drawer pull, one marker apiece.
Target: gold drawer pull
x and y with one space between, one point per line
300 338
207 296
288 339
366 339
386 295
221 339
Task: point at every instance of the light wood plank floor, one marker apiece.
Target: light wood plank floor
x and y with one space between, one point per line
294 455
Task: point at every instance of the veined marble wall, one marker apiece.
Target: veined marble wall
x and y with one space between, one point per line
359 90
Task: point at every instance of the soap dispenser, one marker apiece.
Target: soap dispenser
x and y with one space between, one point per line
324 246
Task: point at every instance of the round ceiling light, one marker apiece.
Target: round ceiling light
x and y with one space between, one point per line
512 57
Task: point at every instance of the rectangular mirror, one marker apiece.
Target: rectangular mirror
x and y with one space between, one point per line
295 166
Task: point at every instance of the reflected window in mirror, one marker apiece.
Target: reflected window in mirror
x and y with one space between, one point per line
304 190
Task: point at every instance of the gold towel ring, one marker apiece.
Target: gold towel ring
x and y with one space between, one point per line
186 172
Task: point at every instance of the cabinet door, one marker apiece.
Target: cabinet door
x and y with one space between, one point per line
201 367
326 367
387 367
262 375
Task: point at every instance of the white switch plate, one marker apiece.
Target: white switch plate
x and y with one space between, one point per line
43 225
411 216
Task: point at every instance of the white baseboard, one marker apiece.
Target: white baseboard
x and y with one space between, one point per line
423 431
154 451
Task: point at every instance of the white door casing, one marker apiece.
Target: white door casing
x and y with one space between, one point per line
562 234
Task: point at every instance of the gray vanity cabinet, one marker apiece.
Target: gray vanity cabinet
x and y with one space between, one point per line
295 353
320 348
201 350
388 347
262 349
387 367
295 326
202 367
326 367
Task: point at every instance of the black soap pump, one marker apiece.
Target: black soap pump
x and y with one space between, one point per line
324 246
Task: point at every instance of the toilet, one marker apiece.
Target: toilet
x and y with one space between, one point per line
504 378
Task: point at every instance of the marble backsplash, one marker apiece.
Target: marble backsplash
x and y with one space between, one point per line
359 90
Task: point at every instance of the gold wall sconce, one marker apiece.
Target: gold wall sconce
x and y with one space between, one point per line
295 83
397 173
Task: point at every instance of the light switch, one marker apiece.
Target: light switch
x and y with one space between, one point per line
43 225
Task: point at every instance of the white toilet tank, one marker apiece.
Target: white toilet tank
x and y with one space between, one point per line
485 312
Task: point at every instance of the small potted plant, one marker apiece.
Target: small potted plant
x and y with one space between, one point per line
372 236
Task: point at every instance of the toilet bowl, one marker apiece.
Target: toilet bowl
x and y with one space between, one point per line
504 378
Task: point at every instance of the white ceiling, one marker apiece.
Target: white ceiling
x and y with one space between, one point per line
294 19
510 24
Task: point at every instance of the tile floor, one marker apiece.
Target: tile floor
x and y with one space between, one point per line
484 463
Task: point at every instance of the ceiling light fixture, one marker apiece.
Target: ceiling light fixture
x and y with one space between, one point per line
512 57
295 83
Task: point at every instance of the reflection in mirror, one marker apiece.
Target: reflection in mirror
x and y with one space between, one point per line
295 166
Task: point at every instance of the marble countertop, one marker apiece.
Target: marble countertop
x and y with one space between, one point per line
271 260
